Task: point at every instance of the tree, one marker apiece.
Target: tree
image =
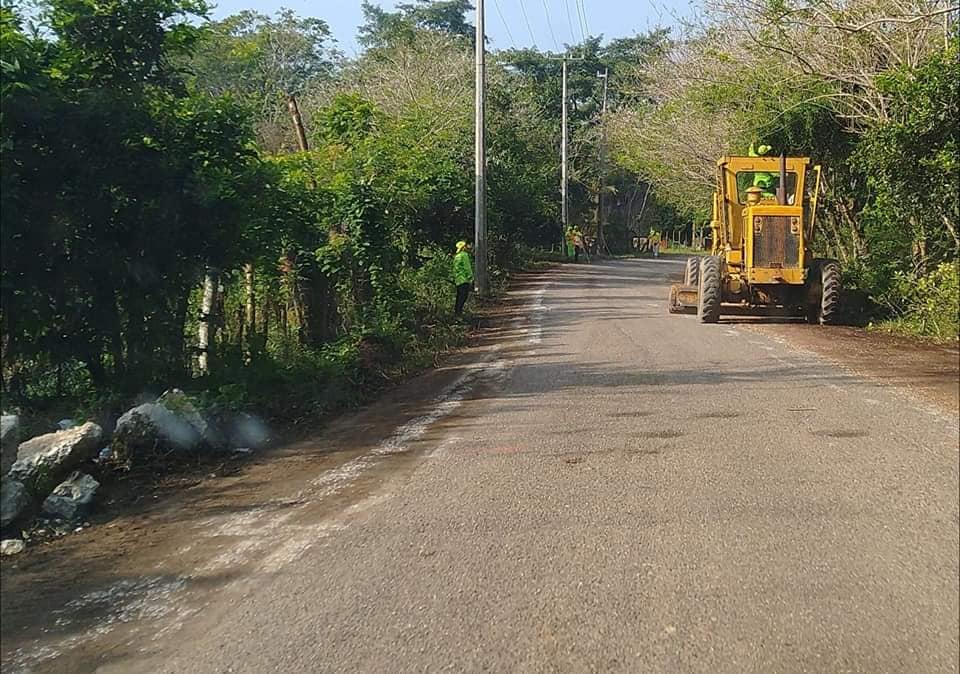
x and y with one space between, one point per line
382 28
118 188
258 60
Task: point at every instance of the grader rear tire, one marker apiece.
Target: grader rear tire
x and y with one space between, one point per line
824 298
709 297
691 276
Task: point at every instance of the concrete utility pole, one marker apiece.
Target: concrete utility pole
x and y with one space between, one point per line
563 153
601 241
480 157
564 210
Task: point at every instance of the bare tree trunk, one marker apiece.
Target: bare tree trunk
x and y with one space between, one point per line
297 123
953 233
920 265
180 322
309 292
239 338
205 333
860 248
249 305
268 309
838 244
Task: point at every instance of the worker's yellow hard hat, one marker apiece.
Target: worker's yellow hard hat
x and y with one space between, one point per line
461 245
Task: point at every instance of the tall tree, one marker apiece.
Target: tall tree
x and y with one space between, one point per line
382 28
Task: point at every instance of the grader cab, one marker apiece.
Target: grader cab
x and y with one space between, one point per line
764 211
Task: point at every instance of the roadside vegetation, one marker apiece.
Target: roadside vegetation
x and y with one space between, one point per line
167 222
163 227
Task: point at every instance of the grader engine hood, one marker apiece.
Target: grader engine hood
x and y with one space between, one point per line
774 244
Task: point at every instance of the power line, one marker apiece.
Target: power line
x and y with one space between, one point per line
496 3
573 37
546 11
582 11
523 10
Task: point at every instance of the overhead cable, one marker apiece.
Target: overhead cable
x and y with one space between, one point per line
546 11
526 19
496 3
573 38
582 10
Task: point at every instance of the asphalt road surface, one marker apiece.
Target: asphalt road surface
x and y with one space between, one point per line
600 486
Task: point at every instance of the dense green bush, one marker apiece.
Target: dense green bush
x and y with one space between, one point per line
927 305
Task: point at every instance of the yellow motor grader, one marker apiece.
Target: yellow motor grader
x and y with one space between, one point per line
764 210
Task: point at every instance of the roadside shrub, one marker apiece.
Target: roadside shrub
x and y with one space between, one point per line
927 305
430 286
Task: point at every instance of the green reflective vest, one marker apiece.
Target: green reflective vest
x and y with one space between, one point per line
462 268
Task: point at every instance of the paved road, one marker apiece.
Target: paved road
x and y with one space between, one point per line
609 488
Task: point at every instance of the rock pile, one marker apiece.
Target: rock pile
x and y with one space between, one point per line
44 475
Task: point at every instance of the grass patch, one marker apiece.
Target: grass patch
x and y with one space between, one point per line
906 327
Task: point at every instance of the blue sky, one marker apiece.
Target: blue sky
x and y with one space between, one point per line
612 18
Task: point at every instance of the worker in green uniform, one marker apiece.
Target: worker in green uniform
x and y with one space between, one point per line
577 240
462 275
765 181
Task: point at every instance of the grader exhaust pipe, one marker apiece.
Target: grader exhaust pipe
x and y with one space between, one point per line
782 187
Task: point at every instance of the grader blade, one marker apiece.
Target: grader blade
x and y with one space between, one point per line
683 298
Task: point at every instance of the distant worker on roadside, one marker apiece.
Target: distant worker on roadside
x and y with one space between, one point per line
462 275
654 239
568 240
579 245
574 242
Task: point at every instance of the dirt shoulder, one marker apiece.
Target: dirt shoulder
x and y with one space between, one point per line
930 371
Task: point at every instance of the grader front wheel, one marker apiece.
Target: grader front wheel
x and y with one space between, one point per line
709 297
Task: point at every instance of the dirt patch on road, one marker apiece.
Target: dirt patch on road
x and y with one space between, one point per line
931 371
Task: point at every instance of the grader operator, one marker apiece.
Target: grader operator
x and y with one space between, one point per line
764 211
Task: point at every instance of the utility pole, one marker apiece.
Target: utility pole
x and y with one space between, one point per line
564 216
601 241
564 206
480 158
564 209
